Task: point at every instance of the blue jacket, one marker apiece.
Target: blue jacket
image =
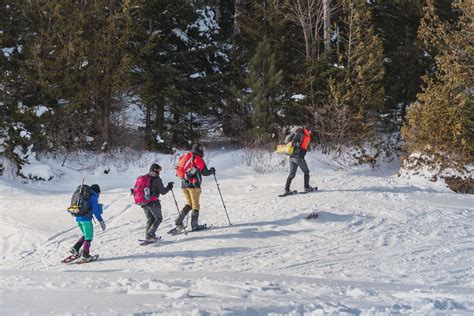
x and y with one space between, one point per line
95 209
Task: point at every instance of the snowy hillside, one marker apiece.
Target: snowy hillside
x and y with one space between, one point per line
382 244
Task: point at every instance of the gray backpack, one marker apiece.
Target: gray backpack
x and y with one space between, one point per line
80 205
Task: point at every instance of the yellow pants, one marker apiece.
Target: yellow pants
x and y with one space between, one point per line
192 197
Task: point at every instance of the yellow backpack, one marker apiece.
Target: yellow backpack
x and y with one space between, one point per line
285 149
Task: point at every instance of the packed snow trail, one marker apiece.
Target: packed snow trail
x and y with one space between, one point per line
381 244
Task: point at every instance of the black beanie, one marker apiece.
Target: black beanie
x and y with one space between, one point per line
96 188
155 167
198 149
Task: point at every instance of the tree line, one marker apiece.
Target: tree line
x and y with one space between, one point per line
358 73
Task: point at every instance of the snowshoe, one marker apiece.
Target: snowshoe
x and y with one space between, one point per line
87 258
310 189
70 258
200 227
74 251
176 230
287 193
144 242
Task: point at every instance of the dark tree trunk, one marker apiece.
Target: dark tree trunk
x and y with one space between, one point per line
239 10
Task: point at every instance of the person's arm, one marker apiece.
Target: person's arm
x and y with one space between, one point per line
207 172
289 138
159 187
96 209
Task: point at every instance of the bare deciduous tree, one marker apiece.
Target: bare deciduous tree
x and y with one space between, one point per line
327 24
313 16
332 121
309 15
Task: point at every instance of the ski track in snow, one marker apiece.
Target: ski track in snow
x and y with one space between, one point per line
381 245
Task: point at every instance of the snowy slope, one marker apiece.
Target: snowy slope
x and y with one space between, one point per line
382 244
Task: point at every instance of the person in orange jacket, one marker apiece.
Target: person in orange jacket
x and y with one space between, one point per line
191 187
300 137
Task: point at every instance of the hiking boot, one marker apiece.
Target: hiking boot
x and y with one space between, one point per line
199 227
194 219
151 237
287 192
178 223
86 256
74 251
310 189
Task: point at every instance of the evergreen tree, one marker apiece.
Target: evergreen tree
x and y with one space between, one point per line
354 93
365 72
76 63
18 128
264 81
259 20
397 23
440 123
180 67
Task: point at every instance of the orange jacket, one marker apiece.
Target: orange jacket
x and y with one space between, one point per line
306 140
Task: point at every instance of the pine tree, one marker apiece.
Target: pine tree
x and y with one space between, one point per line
180 71
365 73
262 19
76 63
440 123
359 84
264 81
397 22
19 127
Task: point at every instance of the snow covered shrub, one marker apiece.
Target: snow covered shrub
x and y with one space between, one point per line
16 144
263 161
259 154
460 185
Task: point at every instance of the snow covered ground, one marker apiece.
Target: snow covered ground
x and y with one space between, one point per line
382 244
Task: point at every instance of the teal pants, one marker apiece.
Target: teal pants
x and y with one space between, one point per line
87 229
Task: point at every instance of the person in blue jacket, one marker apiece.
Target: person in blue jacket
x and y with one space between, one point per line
85 224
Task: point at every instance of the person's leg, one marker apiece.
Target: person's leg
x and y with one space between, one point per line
291 176
149 219
186 208
77 245
155 209
86 249
88 232
304 167
195 196
194 219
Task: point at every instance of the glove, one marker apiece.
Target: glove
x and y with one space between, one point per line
170 185
212 170
102 225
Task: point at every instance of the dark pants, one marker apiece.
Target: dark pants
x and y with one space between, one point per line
186 209
85 244
153 218
296 162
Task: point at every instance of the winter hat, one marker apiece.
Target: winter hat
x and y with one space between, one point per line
96 188
198 149
155 167
294 129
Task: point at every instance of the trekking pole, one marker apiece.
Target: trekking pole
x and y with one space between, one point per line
177 208
225 209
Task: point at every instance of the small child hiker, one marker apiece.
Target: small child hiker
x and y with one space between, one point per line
85 224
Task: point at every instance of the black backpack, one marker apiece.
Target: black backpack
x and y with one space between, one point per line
297 140
80 205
